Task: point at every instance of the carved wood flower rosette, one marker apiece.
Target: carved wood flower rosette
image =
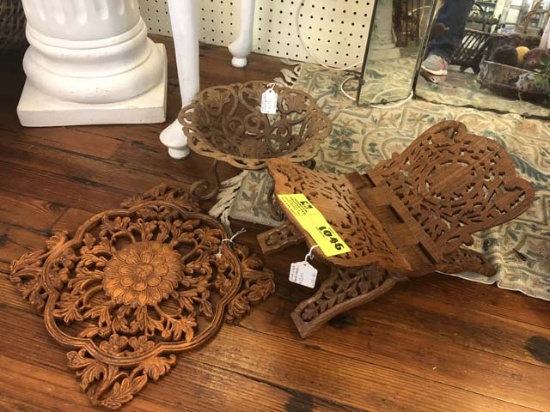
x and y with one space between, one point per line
137 285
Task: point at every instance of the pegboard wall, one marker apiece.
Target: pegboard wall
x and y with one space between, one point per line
332 32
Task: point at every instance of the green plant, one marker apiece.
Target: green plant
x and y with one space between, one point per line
542 80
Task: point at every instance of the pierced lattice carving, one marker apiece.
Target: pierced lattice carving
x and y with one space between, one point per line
345 289
406 217
465 260
137 285
225 123
344 210
454 184
279 238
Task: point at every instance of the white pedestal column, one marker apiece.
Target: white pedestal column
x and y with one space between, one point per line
382 42
242 46
90 62
184 19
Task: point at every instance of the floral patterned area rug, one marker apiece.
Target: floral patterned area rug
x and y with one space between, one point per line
361 137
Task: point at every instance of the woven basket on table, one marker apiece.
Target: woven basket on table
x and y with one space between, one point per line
12 25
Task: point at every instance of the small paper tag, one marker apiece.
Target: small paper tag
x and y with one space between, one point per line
269 102
303 274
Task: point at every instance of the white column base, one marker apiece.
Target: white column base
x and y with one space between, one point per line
36 109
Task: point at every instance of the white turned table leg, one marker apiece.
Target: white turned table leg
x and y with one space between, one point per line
184 18
242 46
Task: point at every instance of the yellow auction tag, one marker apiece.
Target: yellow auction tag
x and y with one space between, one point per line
314 223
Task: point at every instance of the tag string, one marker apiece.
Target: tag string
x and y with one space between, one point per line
310 253
230 241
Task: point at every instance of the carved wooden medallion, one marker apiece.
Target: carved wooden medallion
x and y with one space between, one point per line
137 285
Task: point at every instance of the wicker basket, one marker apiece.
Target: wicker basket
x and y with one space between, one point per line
12 25
477 45
470 52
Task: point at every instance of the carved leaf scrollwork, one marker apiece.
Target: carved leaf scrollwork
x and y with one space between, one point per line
343 285
455 184
136 286
111 387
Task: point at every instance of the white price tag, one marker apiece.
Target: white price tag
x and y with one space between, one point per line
269 102
303 274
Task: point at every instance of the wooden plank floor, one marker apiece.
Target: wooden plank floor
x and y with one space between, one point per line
433 344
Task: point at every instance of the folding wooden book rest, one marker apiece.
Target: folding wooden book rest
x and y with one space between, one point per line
408 216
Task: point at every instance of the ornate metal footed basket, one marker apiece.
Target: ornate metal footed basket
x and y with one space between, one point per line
226 123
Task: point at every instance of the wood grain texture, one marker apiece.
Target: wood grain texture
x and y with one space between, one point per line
435 343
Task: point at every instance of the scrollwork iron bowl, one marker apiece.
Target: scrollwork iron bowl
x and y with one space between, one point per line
226 123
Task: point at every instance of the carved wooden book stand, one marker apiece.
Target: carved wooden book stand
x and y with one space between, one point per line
408 216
